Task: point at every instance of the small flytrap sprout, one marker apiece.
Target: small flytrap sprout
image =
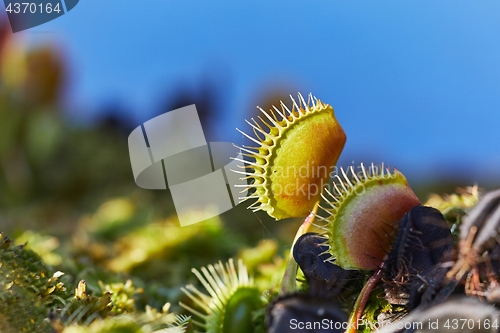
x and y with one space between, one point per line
231 301
296 151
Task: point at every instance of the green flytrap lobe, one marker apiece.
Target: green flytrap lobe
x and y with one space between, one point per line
296 151
362 214
231 301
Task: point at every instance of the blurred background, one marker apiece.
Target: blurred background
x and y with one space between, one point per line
414 84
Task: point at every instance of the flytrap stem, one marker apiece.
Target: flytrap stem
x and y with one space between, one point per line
288 284
364 295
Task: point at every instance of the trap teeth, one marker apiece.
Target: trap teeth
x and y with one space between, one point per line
363 213
297 151
231 300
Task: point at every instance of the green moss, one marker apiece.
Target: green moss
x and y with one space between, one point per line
115 325
121 295
28 289
377 305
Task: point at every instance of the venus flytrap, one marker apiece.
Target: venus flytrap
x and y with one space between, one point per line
363 210
372 223
292 163
362 219
362 215
231 301
296 153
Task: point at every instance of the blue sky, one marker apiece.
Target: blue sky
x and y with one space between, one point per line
414 83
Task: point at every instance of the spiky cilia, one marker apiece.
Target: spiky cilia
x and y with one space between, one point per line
362 215
231 302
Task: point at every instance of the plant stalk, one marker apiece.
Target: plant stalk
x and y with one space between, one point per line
288 284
